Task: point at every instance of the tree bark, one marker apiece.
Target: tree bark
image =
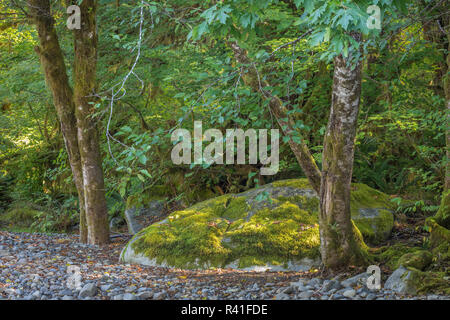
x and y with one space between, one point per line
52 62
300 150
340 245
88 138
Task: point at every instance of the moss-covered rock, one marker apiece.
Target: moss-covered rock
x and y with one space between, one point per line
390 255
20 217
439 242
413 281
437 282
273 227
417 260
442 217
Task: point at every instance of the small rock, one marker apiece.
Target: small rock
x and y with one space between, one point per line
105 287
331 285
89 290
306 294
314 282
145 295
129 296
282 296
65 292
298 286
289 290
359 279
349 293
399 281
159 296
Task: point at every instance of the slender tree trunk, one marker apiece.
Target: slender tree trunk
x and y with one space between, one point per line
340 244
300 150
88 138
52 62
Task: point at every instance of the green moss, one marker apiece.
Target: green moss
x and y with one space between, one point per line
236 228
439 241
195 194
216 232
294 183
306 203
390 255
375 229
366 197
377 204
443 215
276 236
21 217
438 234
419 259
430 282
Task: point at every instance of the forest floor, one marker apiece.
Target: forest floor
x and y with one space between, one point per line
33 266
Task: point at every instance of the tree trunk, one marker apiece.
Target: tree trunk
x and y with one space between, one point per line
340 244
300 150
88 138
52 62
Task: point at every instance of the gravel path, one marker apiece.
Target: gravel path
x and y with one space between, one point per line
35 267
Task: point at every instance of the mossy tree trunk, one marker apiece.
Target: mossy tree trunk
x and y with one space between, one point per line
88 138
300 150
75 112
52 62
339 243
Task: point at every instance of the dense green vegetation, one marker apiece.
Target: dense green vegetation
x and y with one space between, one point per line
163 64
400 144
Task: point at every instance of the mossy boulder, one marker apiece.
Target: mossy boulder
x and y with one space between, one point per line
413 281
425 282
442 217
20 216
390 255
439 243
272 227
417 260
